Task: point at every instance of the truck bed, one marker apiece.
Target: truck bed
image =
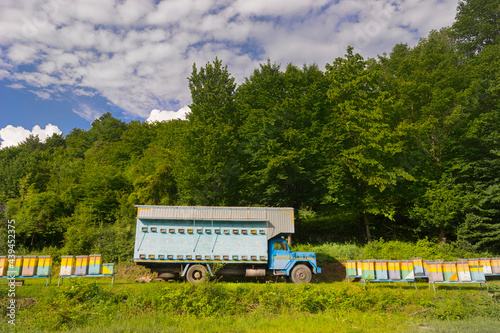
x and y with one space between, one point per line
184 241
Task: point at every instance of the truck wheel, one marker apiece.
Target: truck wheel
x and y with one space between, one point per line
301 274
196 273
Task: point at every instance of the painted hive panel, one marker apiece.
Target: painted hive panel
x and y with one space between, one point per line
211 241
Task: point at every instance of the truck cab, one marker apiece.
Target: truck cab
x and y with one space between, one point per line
299 266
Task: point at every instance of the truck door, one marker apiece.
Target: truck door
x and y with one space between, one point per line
280 254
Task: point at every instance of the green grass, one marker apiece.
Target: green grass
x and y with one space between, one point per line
93 305
90 305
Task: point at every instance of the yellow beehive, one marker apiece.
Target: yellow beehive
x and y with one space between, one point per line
29 265
4 264
82 263
67 264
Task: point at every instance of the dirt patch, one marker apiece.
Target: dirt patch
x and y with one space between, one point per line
133 272
23 303
331 271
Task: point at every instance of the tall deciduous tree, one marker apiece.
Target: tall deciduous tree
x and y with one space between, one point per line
477 160
366 169
284 113
477 24
211 163
430 93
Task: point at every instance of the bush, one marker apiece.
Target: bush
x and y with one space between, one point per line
396 250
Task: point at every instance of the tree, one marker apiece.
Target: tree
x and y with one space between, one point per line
477 159
440 208
153 178
284 114
429 86
365 170
210 161
107 128
38 219
477 24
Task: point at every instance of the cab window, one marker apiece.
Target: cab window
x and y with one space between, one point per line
280 246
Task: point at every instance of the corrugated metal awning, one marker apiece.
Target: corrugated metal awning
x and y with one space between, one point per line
280 220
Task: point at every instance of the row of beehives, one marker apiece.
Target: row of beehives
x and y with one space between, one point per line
28 266
85 265
41 266
466 270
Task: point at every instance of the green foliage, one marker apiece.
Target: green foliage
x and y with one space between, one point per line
477 24
480 226
210 164
392 250
424 248
330 252
403 147
439 206
366 167
284 115
81 305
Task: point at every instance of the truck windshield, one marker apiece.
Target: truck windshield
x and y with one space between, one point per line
280 246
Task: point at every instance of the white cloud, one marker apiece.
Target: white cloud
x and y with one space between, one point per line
45 133
81 92
138 53
16 86
157 115
42 94
13 136
20 53
88 113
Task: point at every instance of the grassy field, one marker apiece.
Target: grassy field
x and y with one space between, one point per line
93 305
329 304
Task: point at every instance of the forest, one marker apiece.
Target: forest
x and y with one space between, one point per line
402 147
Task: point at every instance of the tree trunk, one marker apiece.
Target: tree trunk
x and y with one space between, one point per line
442 236
367 228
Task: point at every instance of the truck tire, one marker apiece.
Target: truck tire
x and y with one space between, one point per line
197 274
301 274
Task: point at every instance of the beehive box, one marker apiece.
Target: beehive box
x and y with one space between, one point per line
108 268
67 265
381 269
407 270
29 265
394 268
95 261
44 266
450 272
495 265
4 265
16 269
81 265
435 271
477 273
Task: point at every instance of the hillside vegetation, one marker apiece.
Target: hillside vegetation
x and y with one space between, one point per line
80 305
403 147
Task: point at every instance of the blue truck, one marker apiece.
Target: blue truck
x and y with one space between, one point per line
196 242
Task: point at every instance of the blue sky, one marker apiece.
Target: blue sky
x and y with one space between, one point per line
63 63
